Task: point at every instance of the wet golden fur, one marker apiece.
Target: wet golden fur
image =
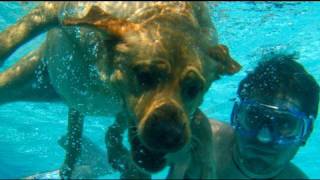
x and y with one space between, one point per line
152 61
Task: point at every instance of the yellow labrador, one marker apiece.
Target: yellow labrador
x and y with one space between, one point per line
149 62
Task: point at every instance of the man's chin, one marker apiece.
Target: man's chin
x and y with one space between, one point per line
257 168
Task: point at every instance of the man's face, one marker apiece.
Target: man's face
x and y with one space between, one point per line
259 152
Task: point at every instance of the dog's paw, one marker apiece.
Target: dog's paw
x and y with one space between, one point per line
118 158
65 172
134 172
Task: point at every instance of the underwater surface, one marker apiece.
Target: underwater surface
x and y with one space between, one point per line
29 131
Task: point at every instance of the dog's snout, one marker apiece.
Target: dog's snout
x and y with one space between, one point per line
165 129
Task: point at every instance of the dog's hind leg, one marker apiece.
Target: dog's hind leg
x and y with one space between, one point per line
27 80
118 156
73 146
39 20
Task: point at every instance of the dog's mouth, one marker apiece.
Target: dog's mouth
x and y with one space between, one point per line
164 129
146 159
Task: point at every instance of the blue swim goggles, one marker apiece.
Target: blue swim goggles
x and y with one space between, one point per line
286 125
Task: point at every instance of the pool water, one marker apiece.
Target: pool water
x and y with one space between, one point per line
29 131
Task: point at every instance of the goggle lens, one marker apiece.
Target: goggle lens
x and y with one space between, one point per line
285 126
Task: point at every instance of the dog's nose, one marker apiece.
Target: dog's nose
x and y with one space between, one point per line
165 129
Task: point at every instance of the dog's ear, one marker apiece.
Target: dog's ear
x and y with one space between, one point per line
226 64
100 19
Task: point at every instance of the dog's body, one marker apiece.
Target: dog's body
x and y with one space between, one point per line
73 71
152 62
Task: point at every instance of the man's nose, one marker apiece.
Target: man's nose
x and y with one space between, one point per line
264 135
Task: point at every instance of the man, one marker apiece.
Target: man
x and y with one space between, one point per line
273 118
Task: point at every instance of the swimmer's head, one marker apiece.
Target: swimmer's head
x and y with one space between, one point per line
281 76
274 117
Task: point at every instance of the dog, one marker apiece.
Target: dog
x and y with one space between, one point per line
147 63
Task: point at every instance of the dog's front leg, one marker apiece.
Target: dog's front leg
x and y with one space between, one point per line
74 136
117 153
119 157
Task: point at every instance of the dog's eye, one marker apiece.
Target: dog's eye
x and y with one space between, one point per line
144 76
191 85
146 79
150 73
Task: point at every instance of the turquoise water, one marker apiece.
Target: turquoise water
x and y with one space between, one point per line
29 131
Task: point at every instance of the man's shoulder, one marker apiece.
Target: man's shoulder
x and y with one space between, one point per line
222 134
292 172
220 127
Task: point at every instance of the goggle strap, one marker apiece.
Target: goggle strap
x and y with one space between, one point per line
234 113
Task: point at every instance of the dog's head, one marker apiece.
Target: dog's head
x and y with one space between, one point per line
162 67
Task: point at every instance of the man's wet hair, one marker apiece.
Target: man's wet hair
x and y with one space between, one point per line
280 73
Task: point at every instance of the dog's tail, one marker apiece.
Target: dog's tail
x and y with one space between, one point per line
39 20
